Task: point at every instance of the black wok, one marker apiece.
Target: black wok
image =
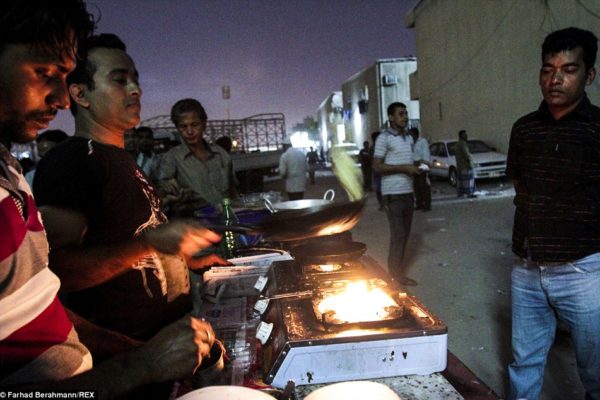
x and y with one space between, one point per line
329 252
303 223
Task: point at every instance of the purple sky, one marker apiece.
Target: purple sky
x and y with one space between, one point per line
276 55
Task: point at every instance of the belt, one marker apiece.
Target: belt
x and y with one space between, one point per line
536 264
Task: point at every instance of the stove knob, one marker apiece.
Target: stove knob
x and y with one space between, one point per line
261 282
261 306
264 331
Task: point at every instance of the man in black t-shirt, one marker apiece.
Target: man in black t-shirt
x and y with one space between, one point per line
121 264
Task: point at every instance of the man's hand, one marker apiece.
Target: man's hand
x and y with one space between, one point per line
177 350
198 263
181 237
412 170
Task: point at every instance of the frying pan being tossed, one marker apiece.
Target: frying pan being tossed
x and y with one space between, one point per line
320 220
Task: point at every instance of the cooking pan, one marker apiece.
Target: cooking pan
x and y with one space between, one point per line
303 223
328 197
329 252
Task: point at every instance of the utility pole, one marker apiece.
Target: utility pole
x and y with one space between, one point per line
226 93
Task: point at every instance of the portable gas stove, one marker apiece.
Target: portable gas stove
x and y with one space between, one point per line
347 322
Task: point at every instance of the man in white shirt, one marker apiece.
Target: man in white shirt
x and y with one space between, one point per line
393 159
292 168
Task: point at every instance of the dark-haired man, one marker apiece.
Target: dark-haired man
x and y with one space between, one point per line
554 159
44 142
38 42
393 159
146 158
122 265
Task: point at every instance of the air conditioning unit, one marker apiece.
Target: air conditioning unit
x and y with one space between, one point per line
390 80
364 93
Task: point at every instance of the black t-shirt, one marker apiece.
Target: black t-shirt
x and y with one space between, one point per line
104 183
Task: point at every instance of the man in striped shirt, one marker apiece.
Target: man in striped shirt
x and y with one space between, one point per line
393 159
39 349
554 159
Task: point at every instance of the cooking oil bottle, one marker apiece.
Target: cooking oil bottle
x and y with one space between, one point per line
230 241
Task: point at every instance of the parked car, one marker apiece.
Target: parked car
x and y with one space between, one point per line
489 163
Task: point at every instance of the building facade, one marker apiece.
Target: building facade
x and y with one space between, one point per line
367 94
360 108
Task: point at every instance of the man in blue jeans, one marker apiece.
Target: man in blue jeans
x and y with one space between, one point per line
393 159
554 159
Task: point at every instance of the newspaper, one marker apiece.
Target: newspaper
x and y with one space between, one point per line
239 279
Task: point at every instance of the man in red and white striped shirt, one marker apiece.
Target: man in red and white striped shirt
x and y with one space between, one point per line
39 347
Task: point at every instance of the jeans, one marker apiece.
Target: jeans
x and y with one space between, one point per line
399 209
540 295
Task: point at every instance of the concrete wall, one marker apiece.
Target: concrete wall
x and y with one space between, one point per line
479 61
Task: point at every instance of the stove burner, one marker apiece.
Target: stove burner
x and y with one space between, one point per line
356 302
324 267
315 270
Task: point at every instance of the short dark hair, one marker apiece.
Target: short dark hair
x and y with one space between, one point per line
461 132
46 25
393 106
139 129
85 70
569 39
186 106
52 135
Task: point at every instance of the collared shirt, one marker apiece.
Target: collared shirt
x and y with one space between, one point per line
210 180
421 150
395 149
292 167
149 164
556 164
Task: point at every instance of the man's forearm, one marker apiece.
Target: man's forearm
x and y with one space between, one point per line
80 267
387 169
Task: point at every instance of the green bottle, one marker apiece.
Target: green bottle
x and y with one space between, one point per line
230 241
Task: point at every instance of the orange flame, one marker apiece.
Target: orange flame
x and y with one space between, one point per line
358 303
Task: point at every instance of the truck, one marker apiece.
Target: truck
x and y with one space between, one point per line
257 143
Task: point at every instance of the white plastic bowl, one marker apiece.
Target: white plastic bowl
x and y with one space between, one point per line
226 393
354 390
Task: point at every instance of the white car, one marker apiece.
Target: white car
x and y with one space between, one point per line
488 162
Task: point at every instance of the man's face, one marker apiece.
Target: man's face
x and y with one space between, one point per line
191 127
114 102
399 118
32 89
563 79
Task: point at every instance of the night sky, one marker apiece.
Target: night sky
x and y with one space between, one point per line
276 55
